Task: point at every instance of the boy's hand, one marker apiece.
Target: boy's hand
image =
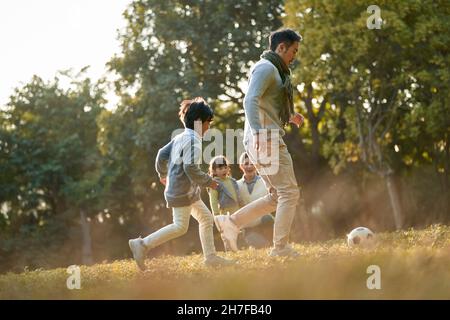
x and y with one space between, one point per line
163 181
297 119
213 185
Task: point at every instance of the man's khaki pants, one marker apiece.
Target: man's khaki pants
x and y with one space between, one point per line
279 177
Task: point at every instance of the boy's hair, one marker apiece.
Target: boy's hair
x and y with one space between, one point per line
217 162
287 36
195 109
242 158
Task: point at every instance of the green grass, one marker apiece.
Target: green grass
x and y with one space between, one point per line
415 264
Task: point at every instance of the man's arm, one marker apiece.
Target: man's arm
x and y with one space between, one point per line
262 77
162 160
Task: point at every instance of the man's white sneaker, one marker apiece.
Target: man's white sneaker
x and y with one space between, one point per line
286 251
216 261
228 231
138 249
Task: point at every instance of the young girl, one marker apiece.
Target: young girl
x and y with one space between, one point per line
226 198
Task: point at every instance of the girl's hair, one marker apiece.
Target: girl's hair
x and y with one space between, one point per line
195 109
217 162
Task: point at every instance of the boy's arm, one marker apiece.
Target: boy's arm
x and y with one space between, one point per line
162 160
196 175
214 201
192 154
262 77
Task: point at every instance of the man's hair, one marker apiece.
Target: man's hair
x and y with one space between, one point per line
287 36
217 162
195 109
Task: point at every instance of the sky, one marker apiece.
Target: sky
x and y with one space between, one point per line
43 36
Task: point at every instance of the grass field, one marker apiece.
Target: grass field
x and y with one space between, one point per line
414 264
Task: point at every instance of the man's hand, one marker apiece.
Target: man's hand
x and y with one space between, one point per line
213 185
260 142
297 119
163 181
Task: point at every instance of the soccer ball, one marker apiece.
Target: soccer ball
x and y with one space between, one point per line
361 236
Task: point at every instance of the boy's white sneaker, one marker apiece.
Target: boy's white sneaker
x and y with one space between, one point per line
228 231
138 249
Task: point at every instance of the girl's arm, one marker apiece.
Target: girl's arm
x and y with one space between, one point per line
214 201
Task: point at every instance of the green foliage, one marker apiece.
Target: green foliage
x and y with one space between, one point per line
376 99
51 161
376 76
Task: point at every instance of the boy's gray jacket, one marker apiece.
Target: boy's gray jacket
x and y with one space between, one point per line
179 162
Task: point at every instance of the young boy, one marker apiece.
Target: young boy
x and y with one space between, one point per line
178 168
251 187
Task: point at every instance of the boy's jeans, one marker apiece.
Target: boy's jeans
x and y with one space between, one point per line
180 226
283 196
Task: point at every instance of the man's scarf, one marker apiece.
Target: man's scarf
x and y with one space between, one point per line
287 109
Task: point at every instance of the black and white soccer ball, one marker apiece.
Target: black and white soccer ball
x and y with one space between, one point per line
361 237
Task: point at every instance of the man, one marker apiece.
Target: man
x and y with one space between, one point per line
268 108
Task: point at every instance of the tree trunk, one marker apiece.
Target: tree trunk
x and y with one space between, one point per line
314 123
298 152
446 178
86 238
395 201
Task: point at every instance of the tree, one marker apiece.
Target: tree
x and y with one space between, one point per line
49 151
368 75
